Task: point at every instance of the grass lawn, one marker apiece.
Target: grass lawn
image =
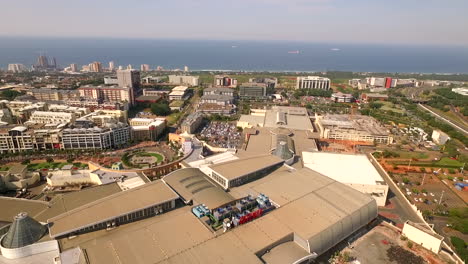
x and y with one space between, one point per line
53 165
412 155
173 118
388 106
4 168
449 162
158 156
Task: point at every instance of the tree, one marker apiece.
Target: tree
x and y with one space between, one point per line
160 109
10 94
49 160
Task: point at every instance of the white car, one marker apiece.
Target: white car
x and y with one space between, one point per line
416 199
424 194
432 194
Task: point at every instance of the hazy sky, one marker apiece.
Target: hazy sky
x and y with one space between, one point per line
362 21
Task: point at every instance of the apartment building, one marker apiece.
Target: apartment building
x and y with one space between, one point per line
108 93
49 117
184 80
110 136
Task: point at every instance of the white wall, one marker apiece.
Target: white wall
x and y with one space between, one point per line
422 238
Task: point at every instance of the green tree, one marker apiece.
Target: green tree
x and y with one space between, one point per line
160 109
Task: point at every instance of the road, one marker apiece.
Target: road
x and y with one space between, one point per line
457 127
404 210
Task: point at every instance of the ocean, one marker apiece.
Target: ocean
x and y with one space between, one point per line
238 55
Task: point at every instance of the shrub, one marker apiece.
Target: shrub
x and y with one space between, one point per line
49 160
406 180
409 244
460 247
404 238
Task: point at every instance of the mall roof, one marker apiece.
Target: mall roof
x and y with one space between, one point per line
192 185
121 203
240 167
345 168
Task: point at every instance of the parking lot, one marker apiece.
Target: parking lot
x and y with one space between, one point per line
222 135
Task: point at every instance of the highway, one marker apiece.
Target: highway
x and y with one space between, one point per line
457 127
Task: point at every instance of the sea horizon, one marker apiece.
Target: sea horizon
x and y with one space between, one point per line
238 55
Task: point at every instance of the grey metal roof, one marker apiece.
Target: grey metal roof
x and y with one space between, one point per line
23 231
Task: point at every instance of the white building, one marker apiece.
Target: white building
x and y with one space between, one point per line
355 171
184 80
462 91
313 82
439 137
48 117
423 236
147 128
16 67
178 93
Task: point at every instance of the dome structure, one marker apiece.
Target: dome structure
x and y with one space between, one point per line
23 231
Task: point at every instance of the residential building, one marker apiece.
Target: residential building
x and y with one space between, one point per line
184 80
145 68
15 139
129 78
48 117
16 67
111 66
255 90
74 67
226 81
108 93
46 94
192 123
95 67
313 82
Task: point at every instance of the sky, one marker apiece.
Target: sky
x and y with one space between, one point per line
431 22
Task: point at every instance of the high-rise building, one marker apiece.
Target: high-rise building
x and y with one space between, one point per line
111 66
42 62
129 67
221 80
186 69
129 78
53 63
120 67
108 93
16 67
74 67
313 82
95 67
145 68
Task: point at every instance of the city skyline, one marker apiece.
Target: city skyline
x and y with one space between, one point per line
330 21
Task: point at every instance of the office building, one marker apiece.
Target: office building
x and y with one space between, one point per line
218 90
352 128
145 68
95 67
184 80
313 82
16 67
192 123
226 81
255 90
269 81
147 128
340 97
218 99
179 93
106 137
